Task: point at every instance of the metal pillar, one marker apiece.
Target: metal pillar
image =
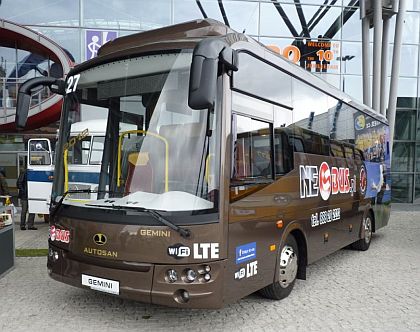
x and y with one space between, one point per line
377 41
365 55
384 66
393 89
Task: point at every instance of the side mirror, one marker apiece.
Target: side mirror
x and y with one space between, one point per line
24 96
207 55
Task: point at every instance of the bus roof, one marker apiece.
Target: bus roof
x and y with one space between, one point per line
188 34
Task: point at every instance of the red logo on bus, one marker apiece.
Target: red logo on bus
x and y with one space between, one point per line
363 180
324 181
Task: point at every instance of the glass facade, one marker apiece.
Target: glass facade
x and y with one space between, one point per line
406 152
279 23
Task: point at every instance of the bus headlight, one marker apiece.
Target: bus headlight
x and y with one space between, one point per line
207 277
53 254
190 275
171 276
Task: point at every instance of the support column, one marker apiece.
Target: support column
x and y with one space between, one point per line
384 66
377 42
365 55
393 89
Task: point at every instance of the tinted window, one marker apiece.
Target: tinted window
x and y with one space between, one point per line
348 152
283 162
358 155
312 109
252 158
337 150
262 80
78 154
97 150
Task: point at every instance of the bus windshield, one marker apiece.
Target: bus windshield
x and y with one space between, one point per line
159 154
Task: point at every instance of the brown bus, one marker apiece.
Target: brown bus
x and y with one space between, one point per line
225 170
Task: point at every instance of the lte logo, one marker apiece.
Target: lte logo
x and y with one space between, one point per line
206 250
250 270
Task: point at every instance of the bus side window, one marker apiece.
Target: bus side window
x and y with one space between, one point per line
78 154
97 150
336 150
252 159
358 155
297 144
283 154
349 152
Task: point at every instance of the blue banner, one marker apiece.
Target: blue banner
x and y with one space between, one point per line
246 252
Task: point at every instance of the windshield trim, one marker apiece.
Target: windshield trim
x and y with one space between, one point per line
135 217
99 61
67 109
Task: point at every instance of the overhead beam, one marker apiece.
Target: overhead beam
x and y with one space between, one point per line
302 19
285 18
200 6
223 12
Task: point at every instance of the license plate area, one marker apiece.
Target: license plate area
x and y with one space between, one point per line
101 284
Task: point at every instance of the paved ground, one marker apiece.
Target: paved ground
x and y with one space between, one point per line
30 238
377 290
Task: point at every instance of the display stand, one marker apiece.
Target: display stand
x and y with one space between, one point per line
7 242
7 249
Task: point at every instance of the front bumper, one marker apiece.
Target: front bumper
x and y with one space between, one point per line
143 282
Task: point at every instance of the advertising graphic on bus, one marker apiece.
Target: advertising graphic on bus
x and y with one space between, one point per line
224 170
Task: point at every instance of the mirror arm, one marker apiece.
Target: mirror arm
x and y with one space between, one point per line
24 96
207 55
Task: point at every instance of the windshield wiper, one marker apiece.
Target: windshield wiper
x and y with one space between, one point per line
74 191
185 233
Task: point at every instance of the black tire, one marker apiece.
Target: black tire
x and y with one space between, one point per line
288 268
364 243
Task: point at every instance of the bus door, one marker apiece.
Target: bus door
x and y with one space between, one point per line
40 175
353 221
252 214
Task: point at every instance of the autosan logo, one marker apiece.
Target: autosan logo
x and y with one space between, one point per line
325 181
100 239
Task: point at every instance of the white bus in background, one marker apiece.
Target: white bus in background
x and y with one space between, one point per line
84 164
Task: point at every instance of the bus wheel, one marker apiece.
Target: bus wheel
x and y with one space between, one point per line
288 267
364 243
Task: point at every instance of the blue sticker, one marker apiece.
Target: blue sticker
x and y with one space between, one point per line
246 252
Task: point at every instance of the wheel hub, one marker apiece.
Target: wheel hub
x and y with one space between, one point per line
288 266
368 229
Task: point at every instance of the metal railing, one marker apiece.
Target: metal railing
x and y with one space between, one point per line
8 97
